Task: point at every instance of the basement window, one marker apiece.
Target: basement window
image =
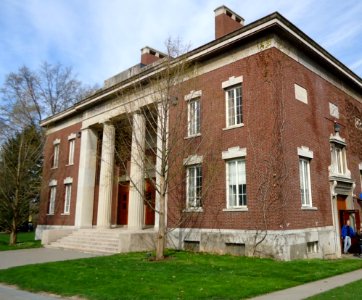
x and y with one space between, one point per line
193 246
237 249
312 247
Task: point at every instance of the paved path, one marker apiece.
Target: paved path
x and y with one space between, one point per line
313 288
15 258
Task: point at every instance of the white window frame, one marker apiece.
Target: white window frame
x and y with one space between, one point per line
56 150
235 119
229 205
52 196
71 152
194 117
194 189
305 185
67 198
338 167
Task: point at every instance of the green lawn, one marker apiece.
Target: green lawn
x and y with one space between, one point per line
348 292
182 276
25 240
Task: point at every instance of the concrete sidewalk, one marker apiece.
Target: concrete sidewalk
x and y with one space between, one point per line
24 257
313 288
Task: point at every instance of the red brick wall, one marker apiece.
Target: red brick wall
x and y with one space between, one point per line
225 25
276 124
63 171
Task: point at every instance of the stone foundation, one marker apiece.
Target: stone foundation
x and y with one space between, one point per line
281 244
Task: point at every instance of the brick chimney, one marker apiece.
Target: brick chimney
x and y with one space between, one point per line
226 21
150 55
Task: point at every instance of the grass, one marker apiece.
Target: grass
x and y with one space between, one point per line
350 291
182 276
25 241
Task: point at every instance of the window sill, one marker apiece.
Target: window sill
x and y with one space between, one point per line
65 214
50 214
234 126
236 209
192 136
53 168
309 208
68 165
199 209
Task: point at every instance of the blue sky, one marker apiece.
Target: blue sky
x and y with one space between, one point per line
100 38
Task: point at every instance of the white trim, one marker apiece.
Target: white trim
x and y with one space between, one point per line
68 180
232 81
309 207
72 136
56 142
333 110
234 126
360 166
300 93
53 182
233 152
337 139
193 160
238 209
305 152
193 94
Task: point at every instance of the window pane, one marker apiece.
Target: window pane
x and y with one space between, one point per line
194 186
236 183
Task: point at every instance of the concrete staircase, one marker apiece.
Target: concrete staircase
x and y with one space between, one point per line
106 240
90 240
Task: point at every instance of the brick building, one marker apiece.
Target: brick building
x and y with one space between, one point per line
268 159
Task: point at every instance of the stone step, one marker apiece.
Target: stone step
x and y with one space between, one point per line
91 239
82 248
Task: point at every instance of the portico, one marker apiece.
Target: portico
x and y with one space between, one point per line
103 192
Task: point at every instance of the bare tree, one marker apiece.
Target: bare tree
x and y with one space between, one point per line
160 151
27 98
30 96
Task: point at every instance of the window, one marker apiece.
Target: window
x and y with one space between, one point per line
339 159
56 156
53 192
305 186
71 152
234 114
236 183
194 117
68 195
194 186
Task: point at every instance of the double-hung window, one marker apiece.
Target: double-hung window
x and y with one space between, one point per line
68 195
194 117
193 113
52 196
236 183
56 147
305 156
305 186
71 152
194 186
234 106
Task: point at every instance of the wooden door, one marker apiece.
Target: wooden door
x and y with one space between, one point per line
150 195
123 192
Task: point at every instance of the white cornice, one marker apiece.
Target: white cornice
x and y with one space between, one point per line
194 55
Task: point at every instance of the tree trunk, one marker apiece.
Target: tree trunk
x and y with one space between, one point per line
161 238
13 234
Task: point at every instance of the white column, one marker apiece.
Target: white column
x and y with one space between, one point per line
86 178
137 177
106 177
